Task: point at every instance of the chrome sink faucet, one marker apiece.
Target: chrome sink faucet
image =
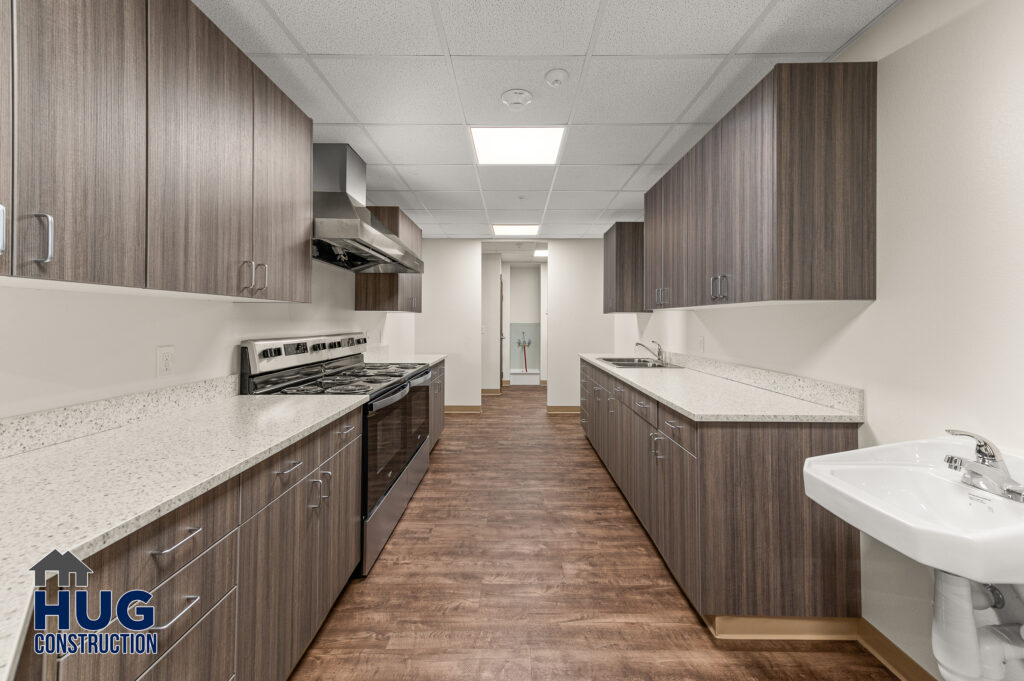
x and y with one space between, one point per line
988 471
660 354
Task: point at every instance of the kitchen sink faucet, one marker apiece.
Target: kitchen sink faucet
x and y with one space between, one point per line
988 471
660 354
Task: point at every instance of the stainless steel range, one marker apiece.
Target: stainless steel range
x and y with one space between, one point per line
396 420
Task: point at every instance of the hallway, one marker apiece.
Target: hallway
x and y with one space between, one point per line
518 559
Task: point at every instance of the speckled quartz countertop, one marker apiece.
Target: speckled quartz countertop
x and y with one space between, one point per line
85 494
705 397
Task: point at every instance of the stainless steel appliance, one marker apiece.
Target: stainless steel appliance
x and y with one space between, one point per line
345 232
396 419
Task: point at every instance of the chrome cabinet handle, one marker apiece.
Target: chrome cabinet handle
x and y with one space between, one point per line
346 430
654 447
330 487
641 405
192 602
664 296
319 492
266 276
252 274
49 238
723 279
294 465
192 533
713 281
672 424
618 389
3 228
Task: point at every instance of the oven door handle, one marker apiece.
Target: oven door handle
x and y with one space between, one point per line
391 399
422 380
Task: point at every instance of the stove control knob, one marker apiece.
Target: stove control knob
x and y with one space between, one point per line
334 344
361 340
316 347
271 352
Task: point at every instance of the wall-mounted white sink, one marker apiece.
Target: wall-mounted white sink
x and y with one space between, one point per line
905 496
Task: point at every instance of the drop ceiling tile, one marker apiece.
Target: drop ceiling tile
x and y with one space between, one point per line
584 178
571 230
738 77
516 217
645 177
305 87
381 177
615 144
439 177
640 89
674 27
503 200
361 26
394 89
482 80
515 177
627 201
812 25
406 200
421 217
518 27
580 200
451 200
479 231
679 141
249 25
432 231
462 217
570 216
352 135
421 144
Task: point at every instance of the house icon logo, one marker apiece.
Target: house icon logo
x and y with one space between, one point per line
65 565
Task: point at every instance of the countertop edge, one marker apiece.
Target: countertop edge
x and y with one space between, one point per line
92 546
837 417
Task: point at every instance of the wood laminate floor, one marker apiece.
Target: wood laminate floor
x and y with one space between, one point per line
518 559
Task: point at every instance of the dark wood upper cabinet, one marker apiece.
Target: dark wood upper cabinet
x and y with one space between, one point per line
282 208
393 292
81 140
200 180
777 201
6 135
623 268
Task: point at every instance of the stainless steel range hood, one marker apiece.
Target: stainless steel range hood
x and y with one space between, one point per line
345 232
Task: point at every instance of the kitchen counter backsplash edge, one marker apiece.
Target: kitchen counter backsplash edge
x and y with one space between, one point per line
36 430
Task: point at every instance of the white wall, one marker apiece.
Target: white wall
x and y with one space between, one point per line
941 347
506 311
451 319
68 344
576 321
525 294
490 356
544 322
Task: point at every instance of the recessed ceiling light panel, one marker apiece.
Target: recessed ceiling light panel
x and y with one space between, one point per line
540 253
517 146
515 230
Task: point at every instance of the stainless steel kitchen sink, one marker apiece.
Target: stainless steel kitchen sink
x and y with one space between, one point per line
637 363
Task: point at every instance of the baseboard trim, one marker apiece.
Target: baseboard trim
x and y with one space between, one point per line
506 382
462 409
490 391
784 628
562 411
889 654
543 381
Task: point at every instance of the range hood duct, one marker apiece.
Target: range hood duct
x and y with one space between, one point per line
345 232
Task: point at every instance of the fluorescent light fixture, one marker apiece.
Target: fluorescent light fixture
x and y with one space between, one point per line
517 146
515 230
540 253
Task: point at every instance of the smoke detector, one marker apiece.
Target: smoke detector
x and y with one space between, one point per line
556 77
516 99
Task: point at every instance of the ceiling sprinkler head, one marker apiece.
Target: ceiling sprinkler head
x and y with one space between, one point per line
556 77
516 99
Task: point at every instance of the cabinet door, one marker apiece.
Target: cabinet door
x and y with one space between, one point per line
282 197
745 198
653 245
691 278
200 155
6 137
410 291
337 550
277 583
642 470
81 138
440 405
680 503
675 255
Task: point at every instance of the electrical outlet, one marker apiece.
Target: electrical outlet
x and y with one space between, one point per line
164 360
700 344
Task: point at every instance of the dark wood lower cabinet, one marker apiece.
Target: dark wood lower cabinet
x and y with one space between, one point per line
436 406
730 518
206 653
